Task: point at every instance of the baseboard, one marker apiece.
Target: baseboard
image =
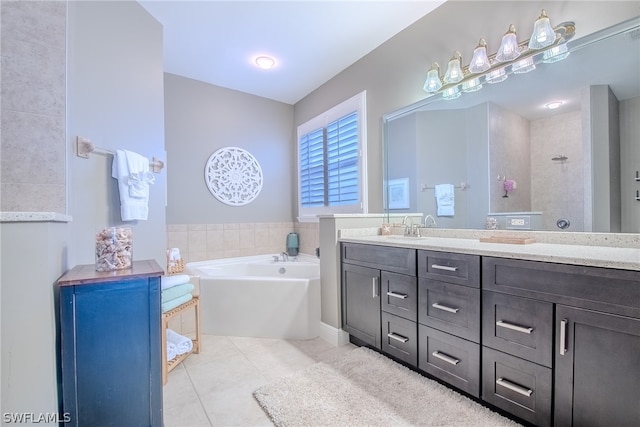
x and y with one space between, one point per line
334 336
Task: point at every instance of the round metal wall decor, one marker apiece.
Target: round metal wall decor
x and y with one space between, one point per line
233 176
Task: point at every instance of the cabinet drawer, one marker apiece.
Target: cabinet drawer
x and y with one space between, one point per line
517 386
451 308
460 269
400 338
397 260
519 326
452 359
399 295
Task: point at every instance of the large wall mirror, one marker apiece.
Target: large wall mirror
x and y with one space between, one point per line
575 167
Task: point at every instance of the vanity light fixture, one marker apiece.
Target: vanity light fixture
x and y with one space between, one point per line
555 54
265 62
480 60
523 66
543 34
433 82
509 49
512 57
454 69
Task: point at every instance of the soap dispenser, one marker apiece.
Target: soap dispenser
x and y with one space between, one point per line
292 244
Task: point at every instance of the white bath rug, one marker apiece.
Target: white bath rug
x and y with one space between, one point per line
365 388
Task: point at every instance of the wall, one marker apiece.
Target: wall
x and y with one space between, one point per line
556 186
114 96
393 74
630 164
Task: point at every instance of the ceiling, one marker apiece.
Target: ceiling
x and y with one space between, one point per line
312 41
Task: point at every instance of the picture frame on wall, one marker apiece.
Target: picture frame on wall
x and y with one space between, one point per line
398 193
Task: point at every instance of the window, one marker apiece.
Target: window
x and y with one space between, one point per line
331 155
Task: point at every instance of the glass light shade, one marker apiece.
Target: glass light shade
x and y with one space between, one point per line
454 69
523 66
509 49
555 54
497 76
451 93
433 82
479 61
471 85
543 34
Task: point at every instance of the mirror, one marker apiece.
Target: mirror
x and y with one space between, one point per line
575 168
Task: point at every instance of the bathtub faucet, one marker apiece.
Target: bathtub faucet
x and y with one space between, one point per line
285 256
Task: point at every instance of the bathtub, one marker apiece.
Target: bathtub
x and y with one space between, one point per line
256 297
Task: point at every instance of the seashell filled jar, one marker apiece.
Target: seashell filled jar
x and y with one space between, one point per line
114 248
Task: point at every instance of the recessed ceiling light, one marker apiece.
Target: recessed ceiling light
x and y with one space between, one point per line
265 62
553 105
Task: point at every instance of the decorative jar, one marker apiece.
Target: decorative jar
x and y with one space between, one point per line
114 248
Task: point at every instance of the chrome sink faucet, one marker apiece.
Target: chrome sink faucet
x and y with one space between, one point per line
285 256
410 229
431 223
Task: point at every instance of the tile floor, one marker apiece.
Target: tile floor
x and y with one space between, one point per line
214 388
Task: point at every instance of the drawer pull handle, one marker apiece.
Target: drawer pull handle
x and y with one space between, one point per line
514 387
444 308
395 295
524 330
443 267
446 358
397 337
563 336
374 286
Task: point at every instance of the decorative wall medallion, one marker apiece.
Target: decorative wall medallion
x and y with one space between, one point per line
233 176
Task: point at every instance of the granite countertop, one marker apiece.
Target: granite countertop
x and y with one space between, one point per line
627 258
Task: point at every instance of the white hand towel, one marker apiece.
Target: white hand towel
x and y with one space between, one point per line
182 343
132 172
445 199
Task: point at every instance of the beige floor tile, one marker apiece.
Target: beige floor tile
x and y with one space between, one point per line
182 407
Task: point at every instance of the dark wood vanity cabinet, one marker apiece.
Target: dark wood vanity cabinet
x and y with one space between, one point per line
379 298
552 344
594 342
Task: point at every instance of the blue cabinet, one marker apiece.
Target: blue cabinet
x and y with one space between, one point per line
110 346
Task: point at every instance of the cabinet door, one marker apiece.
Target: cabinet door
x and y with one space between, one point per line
597 375
361 303
110 339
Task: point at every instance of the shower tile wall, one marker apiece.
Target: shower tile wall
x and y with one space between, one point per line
33 106
198 242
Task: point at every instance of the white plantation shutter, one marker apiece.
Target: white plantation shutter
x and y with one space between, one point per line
332 167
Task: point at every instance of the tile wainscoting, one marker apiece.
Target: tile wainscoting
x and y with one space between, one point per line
199 242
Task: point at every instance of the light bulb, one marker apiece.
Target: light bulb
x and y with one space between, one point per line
433 82
454 69
480 61
509 49
543 34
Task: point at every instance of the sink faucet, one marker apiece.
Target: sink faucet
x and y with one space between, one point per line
285 256
431 223
410 229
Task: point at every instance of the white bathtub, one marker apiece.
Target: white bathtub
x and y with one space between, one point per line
257 297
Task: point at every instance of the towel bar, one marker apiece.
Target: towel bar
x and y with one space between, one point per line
84 147
463 186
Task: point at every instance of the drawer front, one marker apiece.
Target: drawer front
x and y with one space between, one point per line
399 295
400 338
519 326
451 308
397 260
452 359
518 386
448 267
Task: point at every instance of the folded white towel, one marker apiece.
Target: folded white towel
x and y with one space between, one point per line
167 282
182 343
132 172
445 199
172 351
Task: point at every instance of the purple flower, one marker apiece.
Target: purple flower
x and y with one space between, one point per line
509 185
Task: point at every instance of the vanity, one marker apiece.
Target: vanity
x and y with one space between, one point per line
548 332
